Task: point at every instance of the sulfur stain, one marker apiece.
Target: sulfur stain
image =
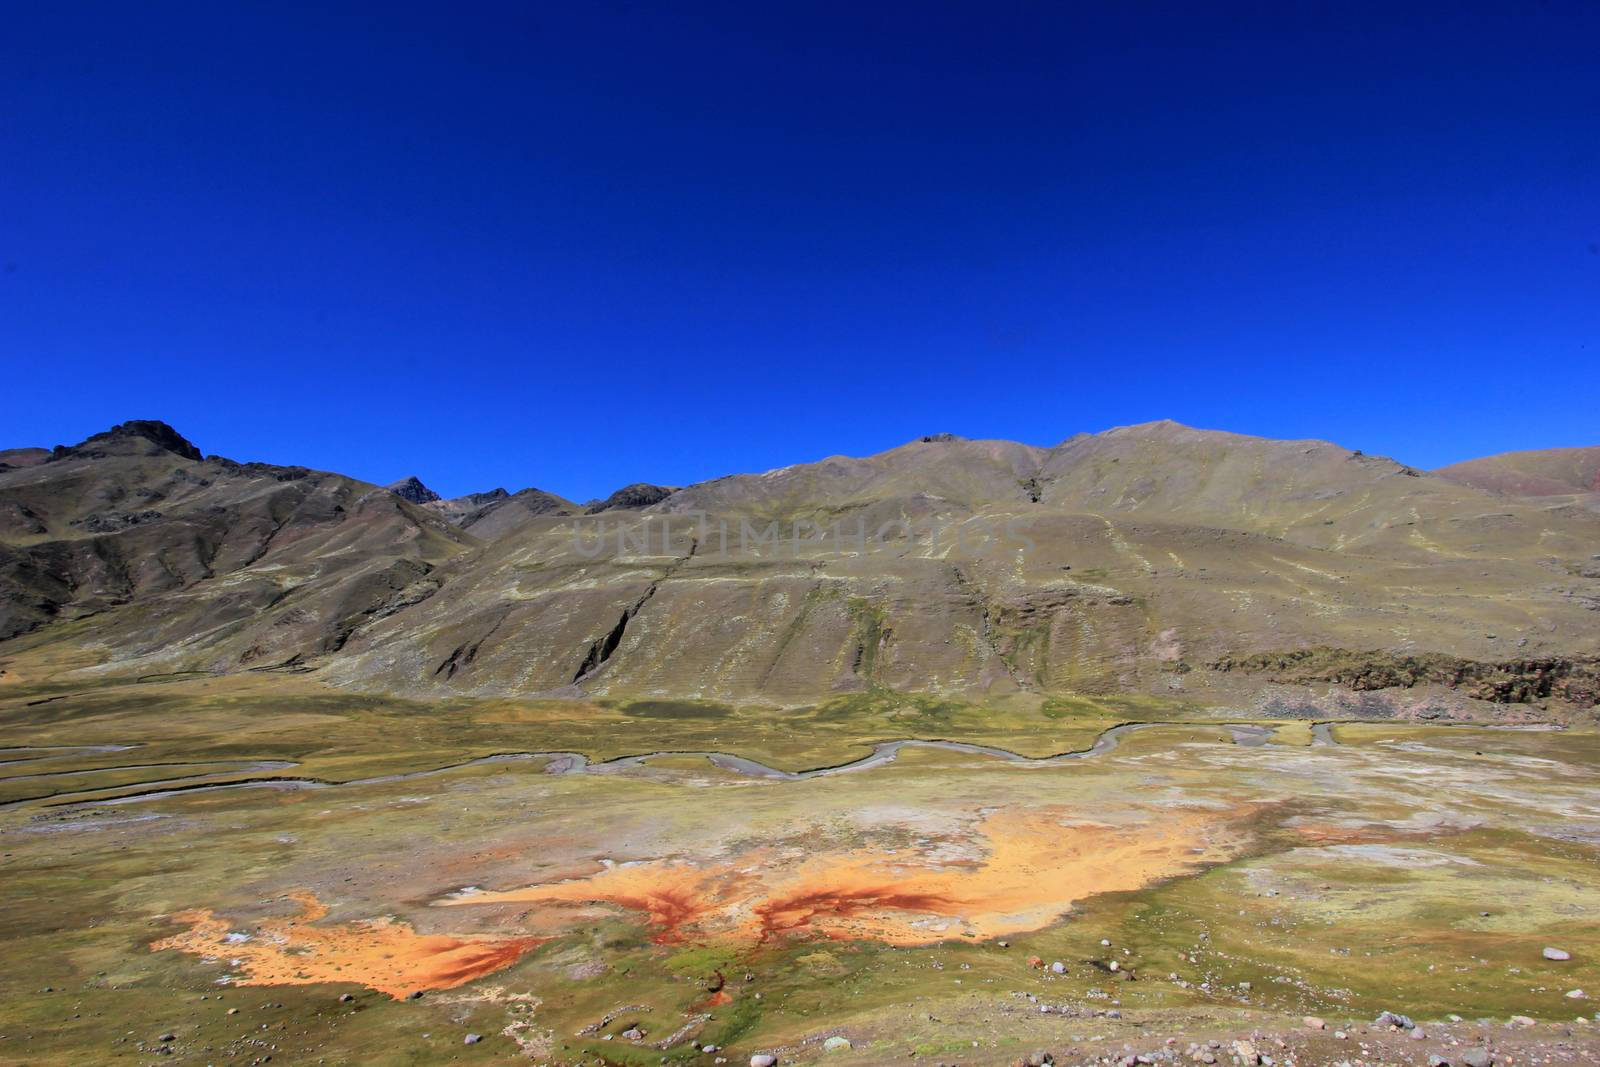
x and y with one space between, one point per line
1019 870
381 954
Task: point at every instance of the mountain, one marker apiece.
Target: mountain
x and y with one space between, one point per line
413 490
1550 472
223 565
495 513
1160 559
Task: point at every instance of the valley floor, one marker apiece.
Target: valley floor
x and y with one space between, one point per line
222 870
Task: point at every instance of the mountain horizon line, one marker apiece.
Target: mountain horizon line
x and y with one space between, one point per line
413 488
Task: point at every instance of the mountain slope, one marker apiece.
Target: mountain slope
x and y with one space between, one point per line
236 563
1548 472
1154 558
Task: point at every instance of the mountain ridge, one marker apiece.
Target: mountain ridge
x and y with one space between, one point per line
1135 559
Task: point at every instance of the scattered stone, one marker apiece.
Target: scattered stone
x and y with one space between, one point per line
1477 1057
1246 1053
169 1037
415 994
836 1044
1058 967
763 1059
1576 994
1418 1034
633 1033
1315 1023
1389 1018
1521 1020
472 1039
1038 1059
1035 962
1438 1061
1558 954
345 998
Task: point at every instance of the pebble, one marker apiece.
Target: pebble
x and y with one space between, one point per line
1058 967
1558 954
1576 994
472 1039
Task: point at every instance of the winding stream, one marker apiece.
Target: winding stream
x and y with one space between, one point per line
1249 735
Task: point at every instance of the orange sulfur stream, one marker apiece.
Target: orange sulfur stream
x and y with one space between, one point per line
381 954
1029 868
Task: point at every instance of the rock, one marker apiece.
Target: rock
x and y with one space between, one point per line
415 994
169 1037
1521 1020
763 1059
1038 1059
629 497
1438 1061
1557 954
1315 1023
1114 965
836 1044
1058 967
633 1033
1035 962
1246 1053
1576 994
472 1039
1418 1034
413 490
345 998
1477 1057
1389 1018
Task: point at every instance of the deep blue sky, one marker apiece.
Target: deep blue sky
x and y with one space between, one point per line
577 245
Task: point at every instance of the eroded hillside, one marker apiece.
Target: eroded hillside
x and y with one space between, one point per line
1150 558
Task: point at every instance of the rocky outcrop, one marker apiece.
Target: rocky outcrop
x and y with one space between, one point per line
1573 679
152 430
413 490
637 495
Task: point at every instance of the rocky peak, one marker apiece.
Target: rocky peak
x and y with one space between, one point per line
413 490
154 431
637 495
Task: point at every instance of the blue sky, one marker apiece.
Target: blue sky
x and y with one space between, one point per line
577 245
